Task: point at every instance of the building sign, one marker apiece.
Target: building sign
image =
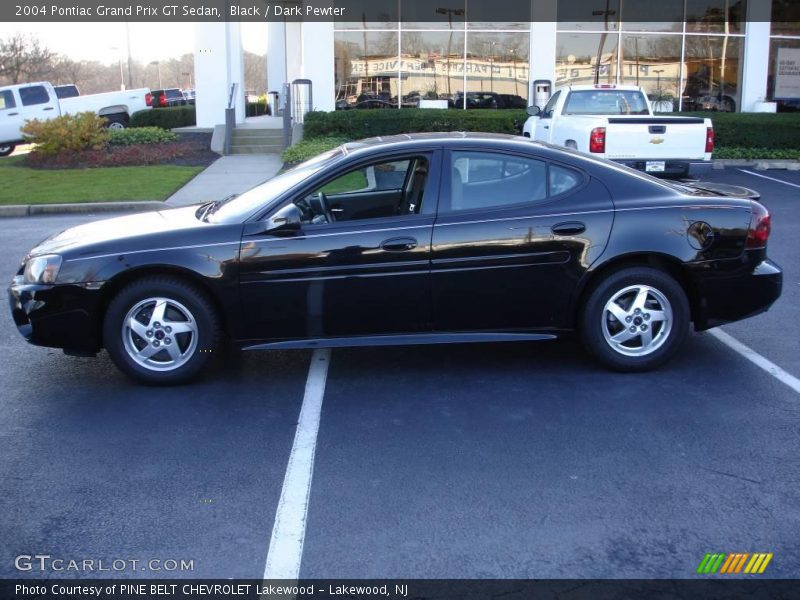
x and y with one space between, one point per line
787 74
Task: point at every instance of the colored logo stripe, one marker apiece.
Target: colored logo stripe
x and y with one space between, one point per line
734 562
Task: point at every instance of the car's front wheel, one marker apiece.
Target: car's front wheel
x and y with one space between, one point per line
6 149
635 319
161 330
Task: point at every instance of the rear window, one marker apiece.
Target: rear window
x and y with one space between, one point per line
171 94
7 100
606 102
67 91
35 94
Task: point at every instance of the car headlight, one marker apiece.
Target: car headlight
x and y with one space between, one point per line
42 269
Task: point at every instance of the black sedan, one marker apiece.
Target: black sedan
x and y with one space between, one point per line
420 239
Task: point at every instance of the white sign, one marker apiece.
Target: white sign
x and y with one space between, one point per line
787 74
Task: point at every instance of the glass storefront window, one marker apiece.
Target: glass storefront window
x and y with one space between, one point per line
589 15
785 17
424 14
716 16
712 72
653 62
782 87
586 58
369 15
497 70
664 15
431 65
366 69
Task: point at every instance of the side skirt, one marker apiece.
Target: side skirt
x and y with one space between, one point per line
402 340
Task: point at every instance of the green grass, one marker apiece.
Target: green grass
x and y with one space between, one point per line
22 185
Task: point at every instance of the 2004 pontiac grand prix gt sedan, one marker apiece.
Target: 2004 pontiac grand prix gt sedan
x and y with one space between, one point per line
417 239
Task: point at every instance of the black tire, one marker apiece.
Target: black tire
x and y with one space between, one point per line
598 327
6 149
195 348
117 121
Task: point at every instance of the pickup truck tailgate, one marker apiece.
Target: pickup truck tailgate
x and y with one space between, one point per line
655 138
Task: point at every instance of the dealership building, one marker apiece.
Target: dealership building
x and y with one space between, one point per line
727 55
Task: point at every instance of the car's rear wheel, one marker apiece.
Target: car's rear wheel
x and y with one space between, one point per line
635 319
161 330
116 121
6 149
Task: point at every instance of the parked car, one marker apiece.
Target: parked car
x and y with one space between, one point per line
66 91
168 97
20 103
413 239
617 122
488 100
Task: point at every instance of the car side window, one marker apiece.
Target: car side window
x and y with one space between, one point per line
34 94
550 106
7 100
382 189
562 180
489 180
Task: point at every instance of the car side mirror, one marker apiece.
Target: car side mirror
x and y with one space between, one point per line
534 111
286 221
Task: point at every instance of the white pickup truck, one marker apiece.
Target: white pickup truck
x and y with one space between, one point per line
617 122
25 102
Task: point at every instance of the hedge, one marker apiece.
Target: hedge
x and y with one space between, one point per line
752 130
166 118
309 148
140 135
358 124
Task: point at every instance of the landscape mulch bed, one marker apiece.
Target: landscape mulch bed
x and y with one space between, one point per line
189 150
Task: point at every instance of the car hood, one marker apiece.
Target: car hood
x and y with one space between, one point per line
119 229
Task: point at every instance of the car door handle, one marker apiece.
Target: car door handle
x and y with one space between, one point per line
337 210
48 108
13 114
570 228
400 244
547 126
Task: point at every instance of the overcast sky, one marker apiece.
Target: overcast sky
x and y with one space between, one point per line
149 41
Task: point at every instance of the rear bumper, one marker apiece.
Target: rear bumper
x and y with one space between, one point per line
673 168
56 316
732 296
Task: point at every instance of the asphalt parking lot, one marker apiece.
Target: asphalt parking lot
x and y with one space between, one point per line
482 461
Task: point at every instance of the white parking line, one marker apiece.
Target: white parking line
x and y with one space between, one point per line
289 531
758 360
770 178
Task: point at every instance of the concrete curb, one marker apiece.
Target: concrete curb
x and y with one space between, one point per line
758 165
84 208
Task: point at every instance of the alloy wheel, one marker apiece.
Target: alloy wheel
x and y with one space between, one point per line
160 334
637 320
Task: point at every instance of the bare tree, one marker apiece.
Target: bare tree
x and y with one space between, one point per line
24 58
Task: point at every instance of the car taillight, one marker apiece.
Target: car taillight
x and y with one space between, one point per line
709 139
148 99
162 100
597 140
760 227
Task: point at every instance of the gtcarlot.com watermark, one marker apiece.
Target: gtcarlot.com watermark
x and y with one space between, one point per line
45 563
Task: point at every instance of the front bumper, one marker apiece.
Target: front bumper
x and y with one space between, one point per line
57 316
732 296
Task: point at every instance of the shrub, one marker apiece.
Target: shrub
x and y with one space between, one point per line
140 135
114 156
753 130
67 134
357 124
166 118
308 148
758 153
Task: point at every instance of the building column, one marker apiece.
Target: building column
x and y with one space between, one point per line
276 56
542 53
755 69
318 63
218 64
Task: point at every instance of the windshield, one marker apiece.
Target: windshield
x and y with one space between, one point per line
240 208
606 102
